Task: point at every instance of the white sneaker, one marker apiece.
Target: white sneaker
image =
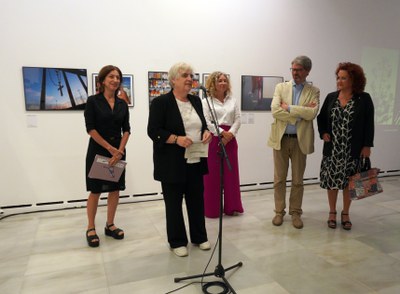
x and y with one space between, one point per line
205 246
180 251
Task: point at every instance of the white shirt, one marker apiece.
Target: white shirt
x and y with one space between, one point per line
227 113
191 122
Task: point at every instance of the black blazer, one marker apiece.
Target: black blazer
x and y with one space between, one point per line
164 120
362 127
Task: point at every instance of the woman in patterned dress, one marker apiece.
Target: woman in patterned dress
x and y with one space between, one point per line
346 125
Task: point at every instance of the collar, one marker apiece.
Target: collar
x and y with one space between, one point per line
302 84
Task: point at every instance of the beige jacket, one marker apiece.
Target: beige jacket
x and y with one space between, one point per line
301 115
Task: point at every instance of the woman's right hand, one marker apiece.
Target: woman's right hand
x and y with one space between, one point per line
224 141
115 159
227 136
115 152
184 141
326 137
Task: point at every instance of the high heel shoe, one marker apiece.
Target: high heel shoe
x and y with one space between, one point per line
332 222
116 233
92 240
346 225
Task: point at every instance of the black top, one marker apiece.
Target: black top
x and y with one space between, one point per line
106 121
363 128
164 120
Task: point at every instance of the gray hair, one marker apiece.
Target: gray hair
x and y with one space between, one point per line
304 61
176 70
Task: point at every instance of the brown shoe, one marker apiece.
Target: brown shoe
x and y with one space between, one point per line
277 220
296 221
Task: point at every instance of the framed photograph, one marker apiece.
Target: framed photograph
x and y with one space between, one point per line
258 91
204 79
195 84
158 84
126 89
95 85
54 88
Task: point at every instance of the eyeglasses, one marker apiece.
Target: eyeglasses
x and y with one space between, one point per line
185 75
296 69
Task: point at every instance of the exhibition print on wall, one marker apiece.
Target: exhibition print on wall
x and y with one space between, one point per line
195 84
258 91
126 89
159 84
204 84
54 88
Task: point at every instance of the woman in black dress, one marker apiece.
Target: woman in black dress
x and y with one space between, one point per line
107 123
346 124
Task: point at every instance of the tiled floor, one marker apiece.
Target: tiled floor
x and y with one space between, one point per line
46 252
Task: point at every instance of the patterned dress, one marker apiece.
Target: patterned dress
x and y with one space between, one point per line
336 169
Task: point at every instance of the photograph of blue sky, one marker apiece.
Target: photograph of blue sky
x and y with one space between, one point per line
57 96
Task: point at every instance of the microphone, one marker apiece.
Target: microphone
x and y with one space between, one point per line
202 88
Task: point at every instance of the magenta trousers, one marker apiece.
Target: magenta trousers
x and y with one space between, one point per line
232 200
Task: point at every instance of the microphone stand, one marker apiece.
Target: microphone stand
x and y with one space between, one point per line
219 269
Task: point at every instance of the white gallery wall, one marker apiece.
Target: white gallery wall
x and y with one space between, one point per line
43 152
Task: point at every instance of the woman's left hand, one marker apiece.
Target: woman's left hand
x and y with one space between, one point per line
206 137
365 152
116 157
228 136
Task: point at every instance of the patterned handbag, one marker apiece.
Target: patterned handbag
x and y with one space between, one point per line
365 183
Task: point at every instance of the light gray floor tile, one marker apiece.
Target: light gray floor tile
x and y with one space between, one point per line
49 254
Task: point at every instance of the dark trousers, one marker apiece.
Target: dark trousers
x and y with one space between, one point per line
192 189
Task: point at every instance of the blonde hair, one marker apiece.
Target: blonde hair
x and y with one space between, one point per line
212 81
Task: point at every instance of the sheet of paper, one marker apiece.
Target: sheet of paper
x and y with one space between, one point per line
196 150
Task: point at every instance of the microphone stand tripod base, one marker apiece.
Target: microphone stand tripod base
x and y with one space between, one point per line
218 272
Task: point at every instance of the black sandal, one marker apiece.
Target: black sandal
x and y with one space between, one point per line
332 223
92 240
114 233
346 225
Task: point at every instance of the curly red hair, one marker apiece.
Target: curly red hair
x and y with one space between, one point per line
356 74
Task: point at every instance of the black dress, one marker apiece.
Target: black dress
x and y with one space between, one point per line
110 124
336 169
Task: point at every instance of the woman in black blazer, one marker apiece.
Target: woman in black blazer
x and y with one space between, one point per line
176 122
346 125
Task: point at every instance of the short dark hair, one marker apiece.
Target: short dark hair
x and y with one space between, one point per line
356 74
104 72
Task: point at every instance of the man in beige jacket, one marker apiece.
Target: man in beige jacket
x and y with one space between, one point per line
294 106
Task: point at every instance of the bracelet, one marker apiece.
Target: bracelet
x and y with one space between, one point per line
176 139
